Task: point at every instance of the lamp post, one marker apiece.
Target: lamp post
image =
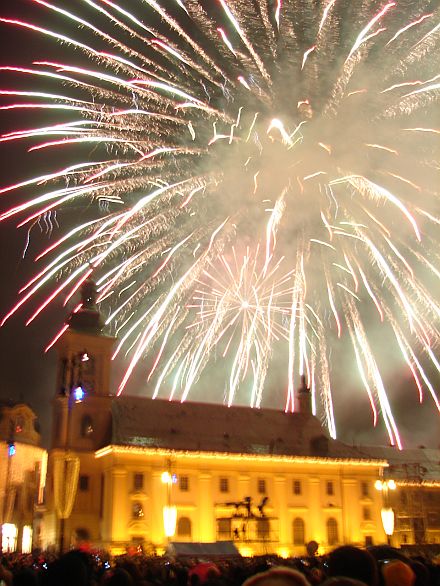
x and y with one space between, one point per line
169 511
386 511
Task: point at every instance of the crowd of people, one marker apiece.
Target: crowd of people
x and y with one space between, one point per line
344 566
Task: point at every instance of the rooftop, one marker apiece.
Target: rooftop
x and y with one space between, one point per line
409 465
206 427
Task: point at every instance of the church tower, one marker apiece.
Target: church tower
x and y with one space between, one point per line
82 395
81 425
304 397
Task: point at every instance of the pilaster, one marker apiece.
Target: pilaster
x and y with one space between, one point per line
281 510
206 516
119 504
317 527
351 522
158 501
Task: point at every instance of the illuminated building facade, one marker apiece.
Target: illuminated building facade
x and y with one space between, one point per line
22 476
416 498
129 471
132 471
267 480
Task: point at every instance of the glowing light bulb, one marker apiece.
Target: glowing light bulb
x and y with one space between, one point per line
78 394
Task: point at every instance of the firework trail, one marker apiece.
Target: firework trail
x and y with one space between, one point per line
242 177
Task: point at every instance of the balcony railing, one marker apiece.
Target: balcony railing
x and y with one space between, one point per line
256 530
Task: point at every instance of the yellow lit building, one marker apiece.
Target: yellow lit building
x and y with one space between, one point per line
122 470
22 475
415 500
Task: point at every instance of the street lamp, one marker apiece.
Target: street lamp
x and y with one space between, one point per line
169 511
386 511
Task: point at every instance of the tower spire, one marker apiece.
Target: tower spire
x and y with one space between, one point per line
88 318
304 397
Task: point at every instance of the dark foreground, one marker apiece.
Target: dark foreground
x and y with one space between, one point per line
380 566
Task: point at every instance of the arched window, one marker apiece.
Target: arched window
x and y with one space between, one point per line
332 531
298 531
86 426
19 424
184 527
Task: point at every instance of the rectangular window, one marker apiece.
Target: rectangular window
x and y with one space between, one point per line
403 523
261 486
263 528
366 513
224 529
184 483
297 487
83 483
433 518
224 485
330 488
365 489
138 481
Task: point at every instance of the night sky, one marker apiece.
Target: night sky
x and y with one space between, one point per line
28 374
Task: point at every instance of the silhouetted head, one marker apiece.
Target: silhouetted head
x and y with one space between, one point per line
342 581
278 577
25 577
352 562
69 570
397 573
421 572
119 577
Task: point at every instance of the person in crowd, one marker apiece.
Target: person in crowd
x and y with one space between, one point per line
352 562
398 573
119 577
345 566
342 581
68 570
278 576
5 572
421 572
25 577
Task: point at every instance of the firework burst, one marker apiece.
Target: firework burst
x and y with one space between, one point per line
299 133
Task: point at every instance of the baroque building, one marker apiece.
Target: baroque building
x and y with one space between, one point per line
416 497
22 475
134 471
